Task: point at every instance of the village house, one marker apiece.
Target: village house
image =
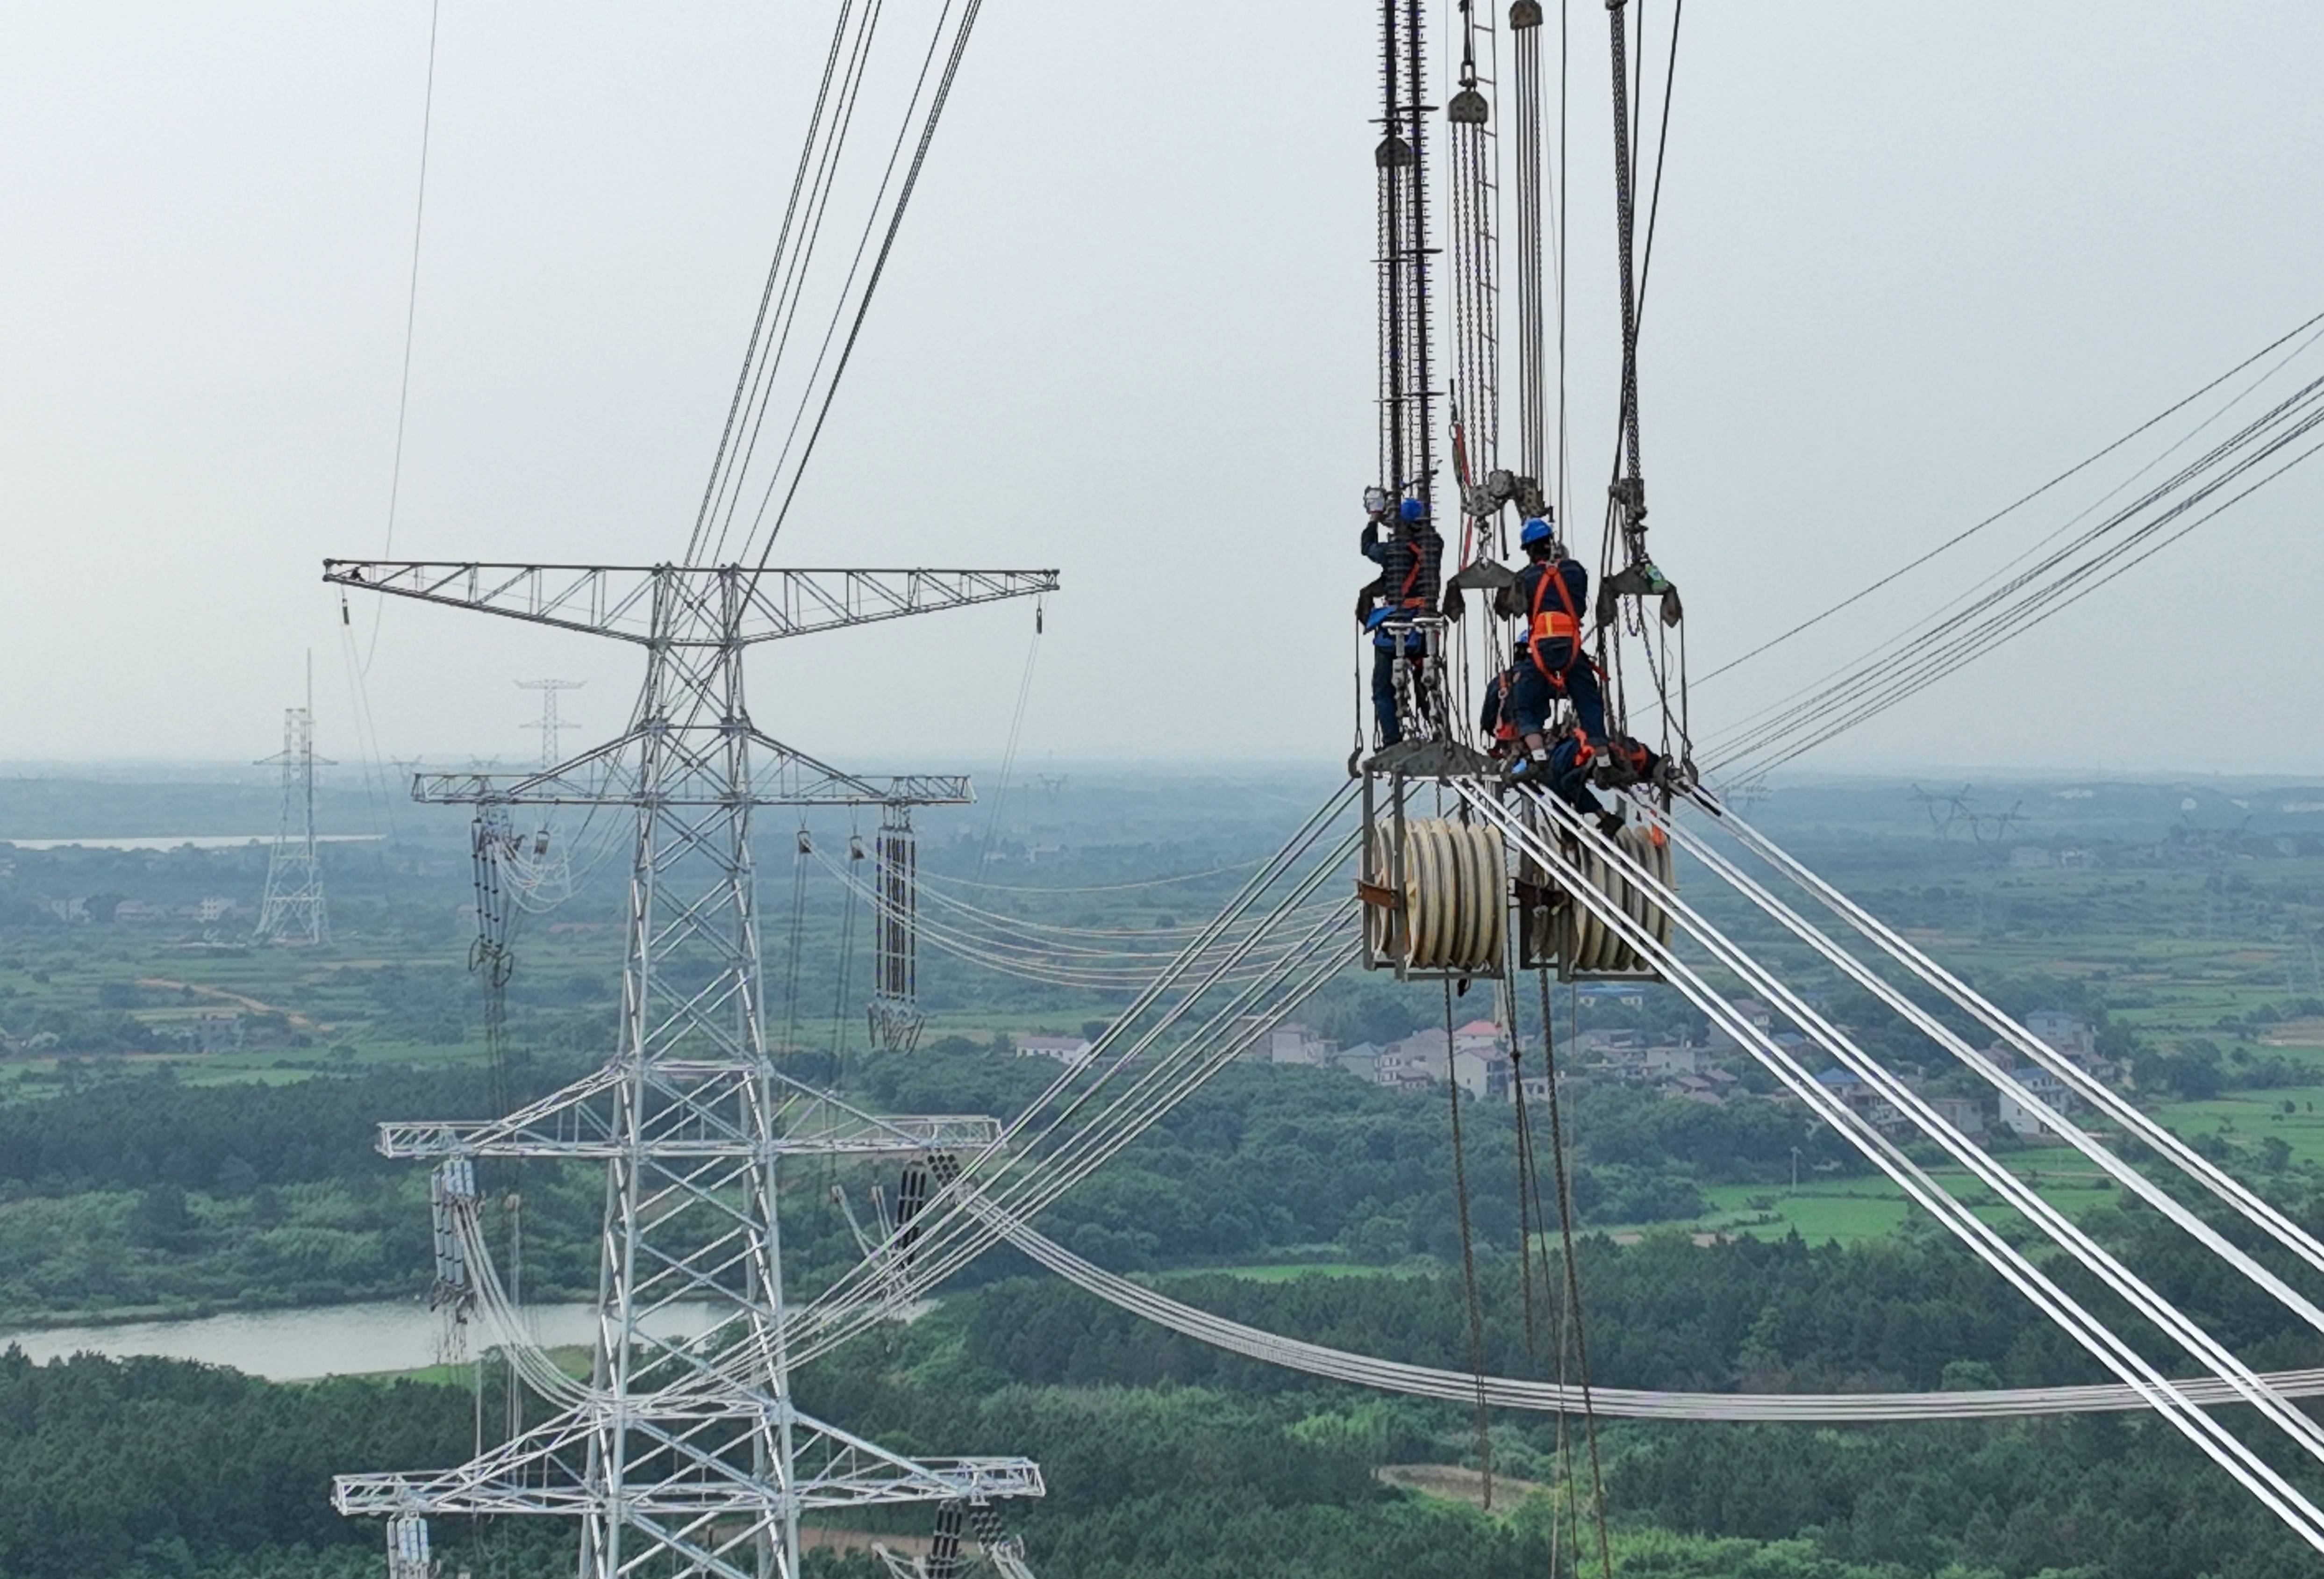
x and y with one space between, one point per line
1072 1051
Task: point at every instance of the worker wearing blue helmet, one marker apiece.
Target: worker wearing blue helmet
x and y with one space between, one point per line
1548 597
1410 552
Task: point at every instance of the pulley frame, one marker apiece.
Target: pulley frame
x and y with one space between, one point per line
1382 884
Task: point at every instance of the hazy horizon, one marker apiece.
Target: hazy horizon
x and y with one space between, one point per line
1126 333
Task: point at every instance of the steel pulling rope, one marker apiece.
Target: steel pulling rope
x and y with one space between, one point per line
2113 1167
2130 1367
505 1320
1622 1402
791 273
818 151
2034 1208
1137 1108
1175 1075
794 273
862 1297
942 96
411 325
1093 888
1050 962
1097 938
2110 1101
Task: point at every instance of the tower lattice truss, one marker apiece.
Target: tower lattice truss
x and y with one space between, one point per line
683 1456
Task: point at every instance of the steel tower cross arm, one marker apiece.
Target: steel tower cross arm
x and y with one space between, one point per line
684 1118
608 775
636 603
696 1472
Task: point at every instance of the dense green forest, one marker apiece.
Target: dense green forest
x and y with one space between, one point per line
138 1175
1162 1456
141 1191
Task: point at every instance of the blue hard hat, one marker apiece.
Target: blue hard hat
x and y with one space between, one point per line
1537 530
1413 510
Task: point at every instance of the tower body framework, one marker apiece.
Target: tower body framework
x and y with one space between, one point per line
686 1457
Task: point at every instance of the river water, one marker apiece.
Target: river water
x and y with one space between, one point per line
337 1340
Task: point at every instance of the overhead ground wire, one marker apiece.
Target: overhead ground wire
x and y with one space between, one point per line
744 381
411 321
2015 505
2092 557
969 11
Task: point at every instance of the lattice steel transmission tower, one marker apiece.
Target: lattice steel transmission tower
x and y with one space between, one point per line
677 1457
543 865
292 910
551 725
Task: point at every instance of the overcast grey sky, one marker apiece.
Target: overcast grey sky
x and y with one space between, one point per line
1914 258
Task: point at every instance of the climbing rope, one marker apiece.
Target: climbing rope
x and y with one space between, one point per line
1468 1259
1573 1277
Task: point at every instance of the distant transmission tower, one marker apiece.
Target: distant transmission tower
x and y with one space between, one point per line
686 1458
550 724
546 870
292 910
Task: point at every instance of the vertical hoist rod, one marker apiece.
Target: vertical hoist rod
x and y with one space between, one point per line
1408 453
1631 488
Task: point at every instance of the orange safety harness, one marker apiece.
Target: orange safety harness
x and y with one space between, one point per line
1553 624
1404 594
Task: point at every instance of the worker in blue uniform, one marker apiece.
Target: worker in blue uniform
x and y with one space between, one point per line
1407 547
1548 597
1567 776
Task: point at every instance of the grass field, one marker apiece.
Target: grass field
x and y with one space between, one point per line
1287 1272
1850 1210
2256 1116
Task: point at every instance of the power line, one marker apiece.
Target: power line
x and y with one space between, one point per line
2014 506
410 319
